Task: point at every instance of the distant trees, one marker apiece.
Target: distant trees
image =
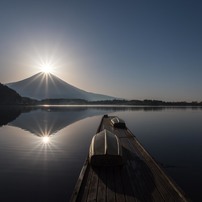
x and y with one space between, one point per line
145 103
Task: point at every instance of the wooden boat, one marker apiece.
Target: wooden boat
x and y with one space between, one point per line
117 122
105 150
140 178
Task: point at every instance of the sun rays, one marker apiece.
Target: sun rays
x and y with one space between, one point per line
46 139
46 58
46 67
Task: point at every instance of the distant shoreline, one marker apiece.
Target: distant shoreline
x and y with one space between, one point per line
129 103
114 102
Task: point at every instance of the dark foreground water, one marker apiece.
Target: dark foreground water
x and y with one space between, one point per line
42 150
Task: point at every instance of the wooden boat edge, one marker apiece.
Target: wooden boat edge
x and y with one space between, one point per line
86 165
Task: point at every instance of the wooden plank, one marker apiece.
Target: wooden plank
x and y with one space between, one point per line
166 190
161 189
156 195
83 194
79 182
135 184
110 184
102 188
153 175
131 172
92 194
129 196
107 126
140 170
120 197
121 133
159 182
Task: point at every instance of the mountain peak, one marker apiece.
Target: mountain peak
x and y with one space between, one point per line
44 74
48 86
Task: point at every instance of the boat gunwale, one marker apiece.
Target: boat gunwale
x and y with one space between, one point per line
144 154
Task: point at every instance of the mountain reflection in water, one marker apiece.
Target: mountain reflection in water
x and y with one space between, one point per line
8 114
48 120
42 150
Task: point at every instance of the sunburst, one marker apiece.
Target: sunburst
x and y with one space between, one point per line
46 68
46 140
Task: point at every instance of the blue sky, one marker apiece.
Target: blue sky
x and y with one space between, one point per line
128 49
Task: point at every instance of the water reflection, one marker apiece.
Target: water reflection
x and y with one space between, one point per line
48 121
8 114
48 163
38 120
51 119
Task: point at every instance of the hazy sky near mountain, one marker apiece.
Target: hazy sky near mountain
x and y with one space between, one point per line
131 49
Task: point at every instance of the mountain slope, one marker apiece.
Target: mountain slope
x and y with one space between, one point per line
9 96
46 86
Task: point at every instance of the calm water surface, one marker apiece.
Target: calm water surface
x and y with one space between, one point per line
42 150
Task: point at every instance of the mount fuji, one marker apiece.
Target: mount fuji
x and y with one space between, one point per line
48 86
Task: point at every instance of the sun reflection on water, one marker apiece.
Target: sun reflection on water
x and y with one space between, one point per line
46 145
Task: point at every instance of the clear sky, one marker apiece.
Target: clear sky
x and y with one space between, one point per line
131 49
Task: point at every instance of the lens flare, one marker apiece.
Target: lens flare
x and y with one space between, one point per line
46 68
46 140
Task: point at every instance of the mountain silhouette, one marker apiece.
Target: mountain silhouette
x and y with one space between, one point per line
9 96
48 86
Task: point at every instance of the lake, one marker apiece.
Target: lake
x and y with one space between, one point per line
42 149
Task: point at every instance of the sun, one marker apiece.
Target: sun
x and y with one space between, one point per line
46 68
46 139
